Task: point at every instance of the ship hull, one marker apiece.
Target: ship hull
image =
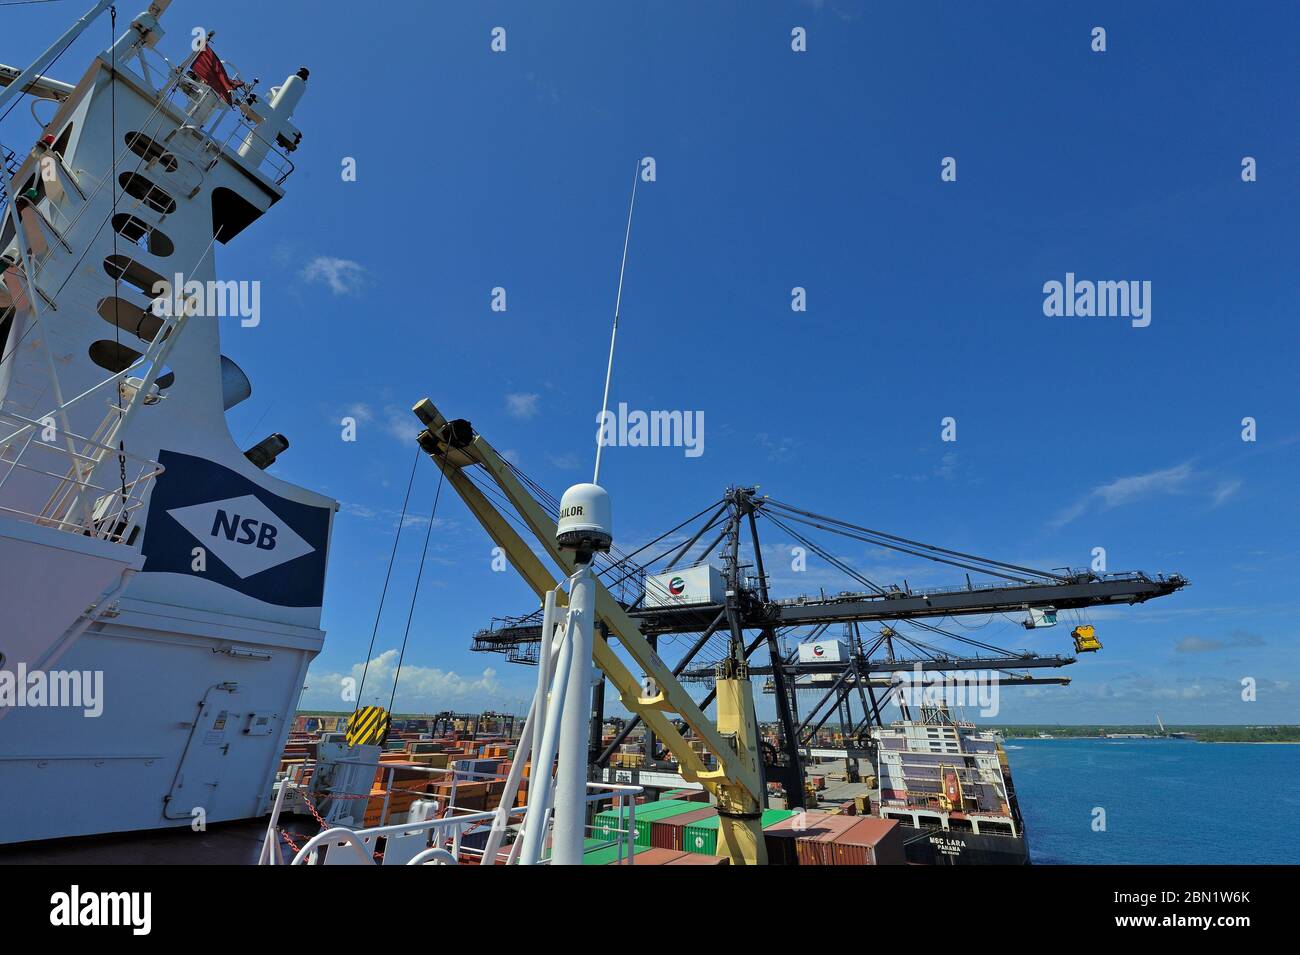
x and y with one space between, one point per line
935 846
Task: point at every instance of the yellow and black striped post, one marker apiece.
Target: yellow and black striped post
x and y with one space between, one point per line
369 726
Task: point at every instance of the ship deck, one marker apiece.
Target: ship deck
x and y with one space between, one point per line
229 843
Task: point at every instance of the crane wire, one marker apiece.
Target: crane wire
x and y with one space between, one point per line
401 523
844 527
415 592
825 555
117 272
915 553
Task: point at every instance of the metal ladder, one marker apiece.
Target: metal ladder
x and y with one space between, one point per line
9 159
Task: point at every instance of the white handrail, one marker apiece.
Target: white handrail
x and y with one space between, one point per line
353 836
433 852
112 516
450 824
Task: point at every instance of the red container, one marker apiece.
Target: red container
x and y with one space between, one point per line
667 833
814 844
781 838
870 841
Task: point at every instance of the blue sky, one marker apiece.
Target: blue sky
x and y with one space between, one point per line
778 169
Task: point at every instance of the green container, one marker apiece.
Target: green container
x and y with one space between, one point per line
608 823
702 837
600 852
772 816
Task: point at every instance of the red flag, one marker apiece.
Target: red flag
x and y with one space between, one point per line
207 69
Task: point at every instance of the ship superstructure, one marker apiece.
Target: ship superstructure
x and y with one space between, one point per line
144 551
948 783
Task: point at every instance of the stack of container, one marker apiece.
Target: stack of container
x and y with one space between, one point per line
668 832
701 835
819 838
609 823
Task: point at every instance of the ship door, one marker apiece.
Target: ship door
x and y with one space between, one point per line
197 783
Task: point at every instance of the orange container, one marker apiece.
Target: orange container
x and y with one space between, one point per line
814 845
870 841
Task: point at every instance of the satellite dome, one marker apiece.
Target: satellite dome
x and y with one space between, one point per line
585 524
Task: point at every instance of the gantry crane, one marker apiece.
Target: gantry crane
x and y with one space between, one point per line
750 608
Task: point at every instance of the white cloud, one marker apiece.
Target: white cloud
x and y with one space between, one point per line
362 511
1127 490
777 448
522 405
1225 490
343 276
1235 640
399 423
393 420
392 517
421 689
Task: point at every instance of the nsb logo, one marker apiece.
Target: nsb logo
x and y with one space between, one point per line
243 533
249 529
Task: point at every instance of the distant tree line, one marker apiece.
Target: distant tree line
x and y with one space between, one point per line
1205 734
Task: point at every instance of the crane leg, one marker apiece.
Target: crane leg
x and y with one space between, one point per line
740 823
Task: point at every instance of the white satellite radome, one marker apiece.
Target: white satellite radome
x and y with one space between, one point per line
585 525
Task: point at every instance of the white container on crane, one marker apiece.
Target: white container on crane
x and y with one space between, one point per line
701 584
824 651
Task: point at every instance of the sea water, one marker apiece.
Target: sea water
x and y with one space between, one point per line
1096 801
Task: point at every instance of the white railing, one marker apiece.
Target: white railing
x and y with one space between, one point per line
435 840
208 113
108 511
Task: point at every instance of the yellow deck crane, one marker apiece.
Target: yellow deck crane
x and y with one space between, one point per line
734 783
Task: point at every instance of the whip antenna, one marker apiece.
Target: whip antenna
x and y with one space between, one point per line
618 302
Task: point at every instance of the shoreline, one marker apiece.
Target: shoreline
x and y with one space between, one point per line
1212 742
